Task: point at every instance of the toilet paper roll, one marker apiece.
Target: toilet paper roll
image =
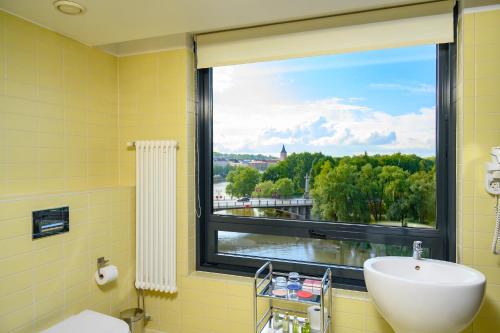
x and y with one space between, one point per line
313 313
108 274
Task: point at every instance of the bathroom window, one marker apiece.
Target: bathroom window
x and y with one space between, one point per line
326 161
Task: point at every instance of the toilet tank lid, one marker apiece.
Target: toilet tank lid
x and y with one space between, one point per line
89 321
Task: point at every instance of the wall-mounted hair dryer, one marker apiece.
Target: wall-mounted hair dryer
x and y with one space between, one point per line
492 184
493 172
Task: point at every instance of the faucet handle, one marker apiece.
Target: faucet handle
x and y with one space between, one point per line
417 250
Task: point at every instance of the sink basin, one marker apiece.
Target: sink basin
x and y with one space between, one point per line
424 296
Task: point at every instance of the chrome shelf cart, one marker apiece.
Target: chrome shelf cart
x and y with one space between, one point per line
263 289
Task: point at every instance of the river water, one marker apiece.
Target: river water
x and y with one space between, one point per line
335 252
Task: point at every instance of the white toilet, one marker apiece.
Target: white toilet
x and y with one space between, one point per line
89 321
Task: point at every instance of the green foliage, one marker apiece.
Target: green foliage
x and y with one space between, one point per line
422 196
284 188
361 188
263 189
337 195
372 188
411 163
242 181
396 191
222 171
318 164
243 156
276 171
359 192
295 167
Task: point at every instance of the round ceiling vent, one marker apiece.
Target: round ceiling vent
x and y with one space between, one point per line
69 7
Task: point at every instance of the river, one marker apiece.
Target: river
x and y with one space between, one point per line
350 253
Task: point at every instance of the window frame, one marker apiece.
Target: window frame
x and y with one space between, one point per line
441 240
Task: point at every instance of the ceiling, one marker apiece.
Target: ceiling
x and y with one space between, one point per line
108 23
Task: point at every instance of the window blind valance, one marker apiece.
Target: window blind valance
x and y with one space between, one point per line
424 23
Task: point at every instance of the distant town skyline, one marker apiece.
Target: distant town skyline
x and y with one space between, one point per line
380 102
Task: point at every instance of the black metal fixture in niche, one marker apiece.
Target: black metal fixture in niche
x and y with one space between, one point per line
50 222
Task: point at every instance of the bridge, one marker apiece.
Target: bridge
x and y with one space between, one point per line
299 208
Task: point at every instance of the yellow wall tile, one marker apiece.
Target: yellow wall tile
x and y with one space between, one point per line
478 133
65 137
44 276
49 85
17 318
40 66
16 301
15 282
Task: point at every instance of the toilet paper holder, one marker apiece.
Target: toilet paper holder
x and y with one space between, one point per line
101 262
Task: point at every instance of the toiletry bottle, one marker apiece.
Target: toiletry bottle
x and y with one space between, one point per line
277 323
307 327
293 285
286 323
295 326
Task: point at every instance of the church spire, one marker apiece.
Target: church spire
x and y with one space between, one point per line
283 153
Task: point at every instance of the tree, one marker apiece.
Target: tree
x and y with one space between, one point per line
411 163
300 165
242 181
222 170
396 192
277 171
284 188
295 167
422 196
318 165
373 190
263 189
337 195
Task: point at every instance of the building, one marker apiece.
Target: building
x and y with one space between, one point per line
283 153
220 162
261 165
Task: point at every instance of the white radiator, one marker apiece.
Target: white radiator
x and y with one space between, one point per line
155 215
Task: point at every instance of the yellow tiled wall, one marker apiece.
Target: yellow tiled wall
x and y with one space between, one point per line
156 101
59 147
217 303
64 127
46 280
58 112
478 129
155 104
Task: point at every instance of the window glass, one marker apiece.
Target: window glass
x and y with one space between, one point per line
343 138
322 251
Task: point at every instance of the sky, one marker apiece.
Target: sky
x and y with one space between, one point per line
377 101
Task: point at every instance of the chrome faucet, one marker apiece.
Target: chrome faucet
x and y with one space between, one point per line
417 250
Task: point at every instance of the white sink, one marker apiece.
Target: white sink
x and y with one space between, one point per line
424 296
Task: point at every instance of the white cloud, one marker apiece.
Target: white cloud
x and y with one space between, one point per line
259 115
401 132
225 79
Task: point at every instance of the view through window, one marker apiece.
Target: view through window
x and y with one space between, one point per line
347 138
